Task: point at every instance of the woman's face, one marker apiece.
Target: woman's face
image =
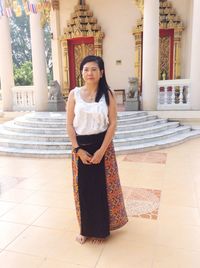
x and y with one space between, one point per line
91 73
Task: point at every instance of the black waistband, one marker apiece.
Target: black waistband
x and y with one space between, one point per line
90 139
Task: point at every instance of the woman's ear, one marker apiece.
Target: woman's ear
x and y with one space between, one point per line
101 73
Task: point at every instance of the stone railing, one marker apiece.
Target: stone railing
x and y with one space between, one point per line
23 98
174 94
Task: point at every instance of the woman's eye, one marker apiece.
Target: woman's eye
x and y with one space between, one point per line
90 70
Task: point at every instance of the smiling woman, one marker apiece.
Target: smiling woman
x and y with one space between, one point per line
91 123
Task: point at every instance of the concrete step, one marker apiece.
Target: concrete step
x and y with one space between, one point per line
172 141
141 125
61 116
158 144
126 115
135 120
39 124
25 123
11 126
23 126
44 134
145 131
61 123
34 137
10 131
33 134
152 137
55 145
45 117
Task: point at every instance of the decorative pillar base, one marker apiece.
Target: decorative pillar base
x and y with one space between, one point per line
56 105
131 104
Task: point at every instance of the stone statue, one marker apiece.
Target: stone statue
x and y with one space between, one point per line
132 99
56 101
55 91
133 88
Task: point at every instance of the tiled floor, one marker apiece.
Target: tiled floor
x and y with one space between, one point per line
162 195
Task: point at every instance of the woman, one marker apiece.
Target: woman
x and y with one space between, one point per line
91 123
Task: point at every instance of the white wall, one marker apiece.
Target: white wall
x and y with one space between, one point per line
117 20
184 10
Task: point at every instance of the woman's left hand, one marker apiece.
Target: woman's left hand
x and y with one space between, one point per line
97 157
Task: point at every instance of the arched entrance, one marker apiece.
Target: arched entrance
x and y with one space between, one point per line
170 33
82 37
78 48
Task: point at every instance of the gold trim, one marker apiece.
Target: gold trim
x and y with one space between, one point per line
55 4
81 24
168 20
140 5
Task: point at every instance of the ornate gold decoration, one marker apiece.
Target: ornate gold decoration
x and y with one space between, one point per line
164 60
45 9
80 50
140 5
55 4
168 20
81 24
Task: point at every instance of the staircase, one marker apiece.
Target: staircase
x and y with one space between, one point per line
44 134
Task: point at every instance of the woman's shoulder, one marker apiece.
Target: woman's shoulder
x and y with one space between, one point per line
74 91
111 94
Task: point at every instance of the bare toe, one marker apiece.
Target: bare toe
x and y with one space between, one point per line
81 239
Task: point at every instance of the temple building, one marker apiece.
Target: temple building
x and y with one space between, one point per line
156 42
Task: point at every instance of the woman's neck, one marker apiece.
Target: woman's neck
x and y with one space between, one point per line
90 87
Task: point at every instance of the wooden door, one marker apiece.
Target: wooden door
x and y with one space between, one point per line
78 48
166 54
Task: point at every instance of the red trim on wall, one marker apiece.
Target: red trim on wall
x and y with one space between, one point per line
71 44
162 33
170 33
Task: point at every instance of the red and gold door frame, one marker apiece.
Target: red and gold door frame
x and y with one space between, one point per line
166 54
74 50
171 28
82 36
169 55
78 48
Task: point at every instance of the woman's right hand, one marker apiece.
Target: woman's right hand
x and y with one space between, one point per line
84 156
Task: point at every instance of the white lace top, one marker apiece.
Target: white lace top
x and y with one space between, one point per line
90 117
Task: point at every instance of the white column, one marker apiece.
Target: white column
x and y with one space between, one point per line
39 62
195 57
55 45
150 54
6 64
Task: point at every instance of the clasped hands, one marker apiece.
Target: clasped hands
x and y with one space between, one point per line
89 159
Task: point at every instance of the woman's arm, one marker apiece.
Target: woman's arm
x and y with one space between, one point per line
112 115
70 117
85 156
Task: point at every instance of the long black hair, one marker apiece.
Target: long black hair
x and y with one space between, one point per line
103 87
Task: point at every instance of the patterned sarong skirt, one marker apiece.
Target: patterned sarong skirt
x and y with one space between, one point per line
97 190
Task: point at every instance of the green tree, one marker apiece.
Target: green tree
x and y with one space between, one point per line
21 44
23 75
20 39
